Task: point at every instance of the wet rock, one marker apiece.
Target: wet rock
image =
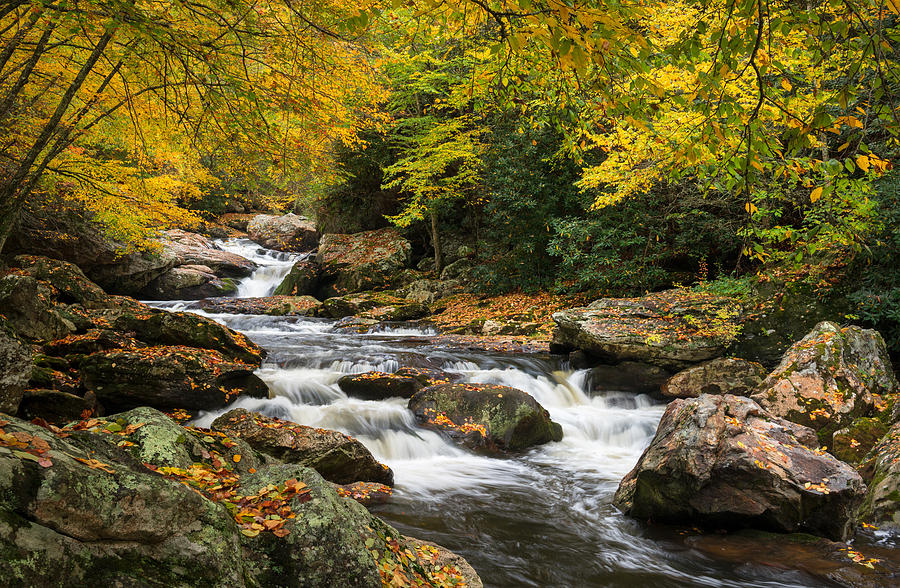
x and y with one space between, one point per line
827 380
303 279
337 457
168 377
15 368
882 504
362 261
722 461
851 444
671 329
492 327
355 324
718 376
188 282
629 376
401 384
194 249
289 232
379 306
268 305
485 416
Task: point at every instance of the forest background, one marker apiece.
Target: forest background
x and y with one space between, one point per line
607 147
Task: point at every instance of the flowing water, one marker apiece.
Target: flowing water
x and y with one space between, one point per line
541 518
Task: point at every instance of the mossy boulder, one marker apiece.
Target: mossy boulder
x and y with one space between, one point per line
380 306
401 384
303 279
188 282
628 376
361 261
718 376
485 416
851 444
29 308
337 457
829 379
55 406
722 461
672 329
882 504
15 368
168 377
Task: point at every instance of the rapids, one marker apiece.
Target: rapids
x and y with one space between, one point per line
541 518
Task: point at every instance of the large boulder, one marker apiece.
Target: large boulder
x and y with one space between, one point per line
337 457
829 379
168 377
401 384
188 282
362 261
628 376
137 500
28 306
671 329
15 369
283 233
485 416
194 249
722 461
882 504
718 376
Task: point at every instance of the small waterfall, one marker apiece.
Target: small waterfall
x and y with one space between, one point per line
273 266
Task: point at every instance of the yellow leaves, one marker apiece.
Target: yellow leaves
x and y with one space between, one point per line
786 85
750 208
815 194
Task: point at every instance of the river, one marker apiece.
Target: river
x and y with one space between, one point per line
541 518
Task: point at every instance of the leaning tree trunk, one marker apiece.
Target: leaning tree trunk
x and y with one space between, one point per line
436 243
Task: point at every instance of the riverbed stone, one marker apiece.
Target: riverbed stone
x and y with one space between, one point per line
289 232
267 305
168 377
302 280
672 329
829 379
188 282
379 306
193 249
628 376
485 416
722 461
717 376
337 457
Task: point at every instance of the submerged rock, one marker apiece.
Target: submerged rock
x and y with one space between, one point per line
718 376
671 329
827 380
485 416
722 461
337 457
289 232
401 384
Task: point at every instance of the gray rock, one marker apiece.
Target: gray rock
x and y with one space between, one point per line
283 233
718 376
362 261
722 461
15 368
882 504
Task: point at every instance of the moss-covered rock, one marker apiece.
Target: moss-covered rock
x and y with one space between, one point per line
671 329
303 279
882 503
828 379
361 261
379 306
337 457
851 444
267 305
722 461
485 416
188 282
29 309
168 377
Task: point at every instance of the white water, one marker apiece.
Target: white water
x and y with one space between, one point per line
273 266
541 518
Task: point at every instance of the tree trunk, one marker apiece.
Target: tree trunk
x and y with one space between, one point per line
436 243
